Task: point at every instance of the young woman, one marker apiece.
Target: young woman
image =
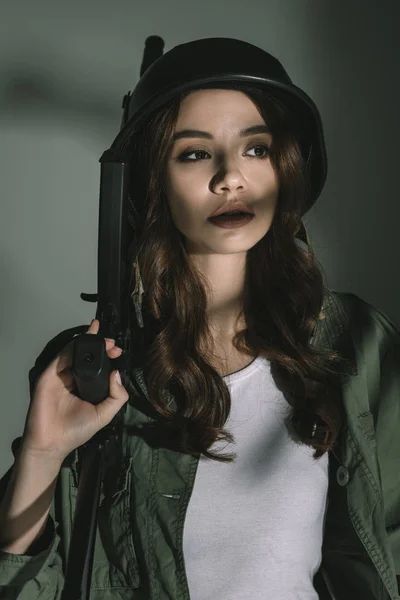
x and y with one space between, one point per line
243 344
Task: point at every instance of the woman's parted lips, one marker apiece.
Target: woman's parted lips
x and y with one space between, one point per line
232 206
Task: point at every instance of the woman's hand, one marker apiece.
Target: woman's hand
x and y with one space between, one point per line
58 422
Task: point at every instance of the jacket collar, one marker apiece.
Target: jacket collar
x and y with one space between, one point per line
332 331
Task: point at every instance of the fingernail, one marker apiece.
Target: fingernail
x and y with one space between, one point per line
118 377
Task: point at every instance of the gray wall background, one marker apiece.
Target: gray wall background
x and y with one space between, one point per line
64 68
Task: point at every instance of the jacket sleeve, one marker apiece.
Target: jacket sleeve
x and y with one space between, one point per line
39 574
388 446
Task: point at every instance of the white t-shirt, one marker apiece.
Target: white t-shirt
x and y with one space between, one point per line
254 527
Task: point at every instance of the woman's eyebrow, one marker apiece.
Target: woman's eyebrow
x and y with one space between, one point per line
195 133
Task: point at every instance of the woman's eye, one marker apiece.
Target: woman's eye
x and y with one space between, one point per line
264 151
185 156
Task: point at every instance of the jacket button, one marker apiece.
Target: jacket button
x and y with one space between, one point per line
342 475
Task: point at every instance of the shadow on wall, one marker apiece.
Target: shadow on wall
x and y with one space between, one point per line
29 95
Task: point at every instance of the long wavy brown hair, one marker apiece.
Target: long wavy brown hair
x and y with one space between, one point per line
174 348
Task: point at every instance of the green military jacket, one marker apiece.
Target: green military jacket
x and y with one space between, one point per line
138 548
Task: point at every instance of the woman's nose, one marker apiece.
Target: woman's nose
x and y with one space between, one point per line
229 178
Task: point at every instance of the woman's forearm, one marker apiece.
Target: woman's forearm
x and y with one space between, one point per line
26 504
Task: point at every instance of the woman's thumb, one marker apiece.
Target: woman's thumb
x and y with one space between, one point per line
118 396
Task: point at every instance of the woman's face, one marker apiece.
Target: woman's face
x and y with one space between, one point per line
204 170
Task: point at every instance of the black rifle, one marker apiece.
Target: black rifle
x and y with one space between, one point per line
91 366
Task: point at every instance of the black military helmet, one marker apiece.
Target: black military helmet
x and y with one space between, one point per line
224 61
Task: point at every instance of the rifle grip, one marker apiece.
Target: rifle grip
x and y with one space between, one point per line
91 368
